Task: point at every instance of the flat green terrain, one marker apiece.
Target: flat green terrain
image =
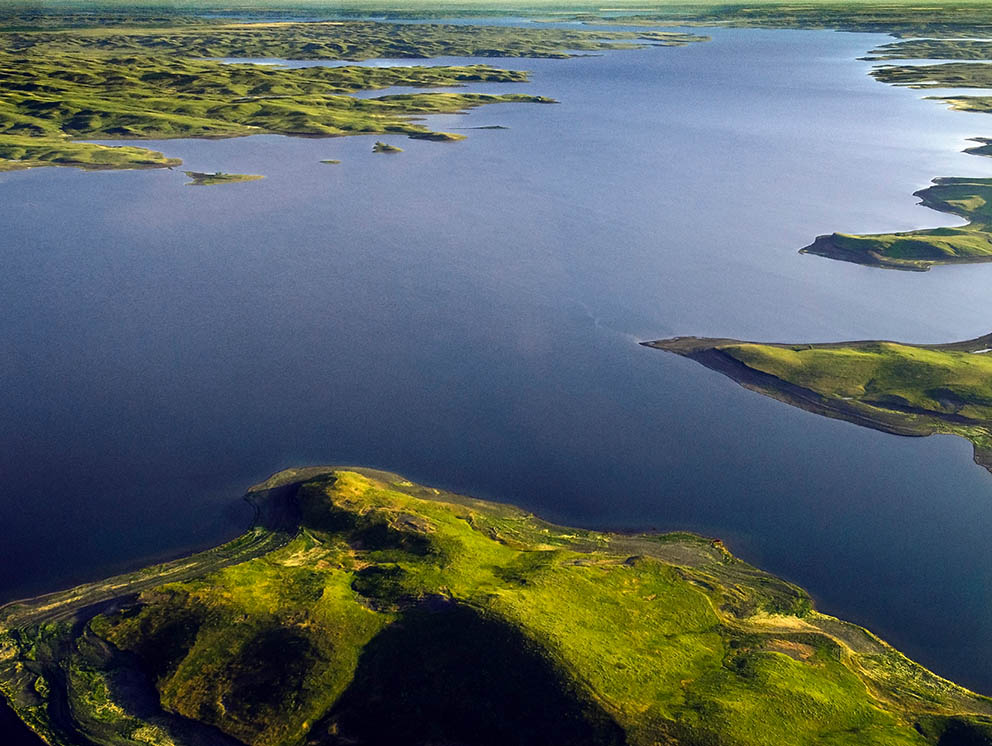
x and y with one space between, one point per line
218 177
919 250
897 388
394 613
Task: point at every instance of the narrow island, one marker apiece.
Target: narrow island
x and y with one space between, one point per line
331 161
218 177
363 608
914 390
919 250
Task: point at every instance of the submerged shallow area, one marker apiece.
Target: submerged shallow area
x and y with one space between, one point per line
468 314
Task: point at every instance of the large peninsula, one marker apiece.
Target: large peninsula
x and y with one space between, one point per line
365 609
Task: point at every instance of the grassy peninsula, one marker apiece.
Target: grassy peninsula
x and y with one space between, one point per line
919 250
364 609
914 390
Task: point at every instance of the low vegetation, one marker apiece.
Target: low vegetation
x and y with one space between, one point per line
338 40
942 75
218 177
897 388
934 49
398 613
919 250
381 147
899 18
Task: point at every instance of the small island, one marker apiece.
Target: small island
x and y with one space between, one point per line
914 390
331 162
919 250
218 177
363 608
436 136
381 147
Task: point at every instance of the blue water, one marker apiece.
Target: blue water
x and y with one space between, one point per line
468 314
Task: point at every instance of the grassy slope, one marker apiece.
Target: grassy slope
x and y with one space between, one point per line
919 250
898 388
59 86
390 592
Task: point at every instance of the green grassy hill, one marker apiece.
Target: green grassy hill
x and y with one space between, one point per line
385 612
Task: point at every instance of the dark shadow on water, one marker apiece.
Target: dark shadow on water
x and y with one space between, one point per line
12 731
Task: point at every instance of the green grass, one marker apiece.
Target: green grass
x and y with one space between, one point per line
19 152
403 613
919 250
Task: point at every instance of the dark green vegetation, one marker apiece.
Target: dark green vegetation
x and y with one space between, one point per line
381 147
381 612
139 82
912 19
943 75
934 49
919 250
218 177
338 40
897 388
984 146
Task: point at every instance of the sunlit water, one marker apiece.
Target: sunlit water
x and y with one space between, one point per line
468 315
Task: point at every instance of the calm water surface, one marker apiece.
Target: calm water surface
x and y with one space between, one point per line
468 315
